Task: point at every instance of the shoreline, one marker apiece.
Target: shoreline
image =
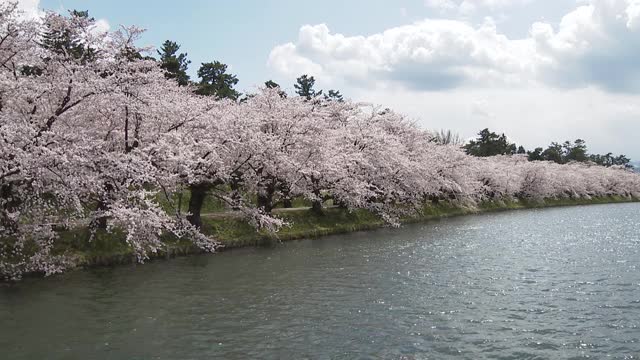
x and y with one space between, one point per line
233 233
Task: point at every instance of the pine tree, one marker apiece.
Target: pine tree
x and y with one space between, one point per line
214 81
304 87
174 64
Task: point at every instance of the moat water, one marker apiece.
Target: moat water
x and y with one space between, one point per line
560 283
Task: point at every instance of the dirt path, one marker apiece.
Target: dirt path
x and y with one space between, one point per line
238 214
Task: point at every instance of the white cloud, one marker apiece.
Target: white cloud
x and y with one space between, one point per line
595 44
286 60
572 78
431 54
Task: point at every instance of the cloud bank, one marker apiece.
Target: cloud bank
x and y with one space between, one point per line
594 45
575 77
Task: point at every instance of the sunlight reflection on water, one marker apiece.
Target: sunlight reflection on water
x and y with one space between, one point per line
552 283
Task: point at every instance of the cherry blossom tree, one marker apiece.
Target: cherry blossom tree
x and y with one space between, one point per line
75 130
93 135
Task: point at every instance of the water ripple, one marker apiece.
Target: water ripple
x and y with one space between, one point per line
537 284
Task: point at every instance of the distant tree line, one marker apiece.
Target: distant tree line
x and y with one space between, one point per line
214 80
489 143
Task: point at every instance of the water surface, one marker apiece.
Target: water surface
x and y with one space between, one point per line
555 283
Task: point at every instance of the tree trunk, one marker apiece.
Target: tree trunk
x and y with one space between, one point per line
236 184
265 197
339 203
10 206
316 207
100 222
286 197
316 204
198 194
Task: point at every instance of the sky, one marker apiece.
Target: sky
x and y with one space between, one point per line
537 70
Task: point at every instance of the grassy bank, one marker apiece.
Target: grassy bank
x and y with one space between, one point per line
233 232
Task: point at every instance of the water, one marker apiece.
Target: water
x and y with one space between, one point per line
556 283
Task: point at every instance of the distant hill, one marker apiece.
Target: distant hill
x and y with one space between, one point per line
636 166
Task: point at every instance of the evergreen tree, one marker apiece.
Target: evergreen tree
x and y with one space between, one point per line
554 152
490 144
334 95
565 152
270 84
535 155
304 87
65 41
610 160
173 63
576 151
214 81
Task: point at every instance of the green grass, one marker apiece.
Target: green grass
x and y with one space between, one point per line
235 232
111 248
106 248
210 205
103 249
214 205
296 202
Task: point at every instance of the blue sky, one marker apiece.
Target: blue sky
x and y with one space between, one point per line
239 33
538 70
242 33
